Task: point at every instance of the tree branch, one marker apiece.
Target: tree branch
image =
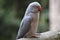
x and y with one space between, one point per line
50 35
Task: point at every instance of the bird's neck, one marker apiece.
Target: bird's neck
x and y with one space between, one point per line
33 14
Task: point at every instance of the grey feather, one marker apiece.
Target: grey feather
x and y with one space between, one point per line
31 13
24 26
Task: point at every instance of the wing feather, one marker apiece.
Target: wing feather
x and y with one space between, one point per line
24 27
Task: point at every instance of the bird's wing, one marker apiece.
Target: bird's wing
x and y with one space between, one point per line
24 27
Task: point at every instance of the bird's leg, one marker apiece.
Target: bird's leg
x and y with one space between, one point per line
36 35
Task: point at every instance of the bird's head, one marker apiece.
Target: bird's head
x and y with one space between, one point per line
33 7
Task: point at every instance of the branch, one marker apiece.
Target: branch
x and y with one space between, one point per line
50 35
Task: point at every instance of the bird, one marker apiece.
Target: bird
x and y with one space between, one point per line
29 24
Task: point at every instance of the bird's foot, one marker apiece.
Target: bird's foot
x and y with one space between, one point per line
34 36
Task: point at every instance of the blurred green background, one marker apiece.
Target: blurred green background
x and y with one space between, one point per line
12 12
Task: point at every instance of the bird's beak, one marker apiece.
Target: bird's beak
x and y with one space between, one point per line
39 8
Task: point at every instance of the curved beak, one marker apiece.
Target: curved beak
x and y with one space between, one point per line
39 8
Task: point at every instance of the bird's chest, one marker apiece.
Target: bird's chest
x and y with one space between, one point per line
34 24
35 20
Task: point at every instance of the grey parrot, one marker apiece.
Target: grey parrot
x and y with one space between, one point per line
29 23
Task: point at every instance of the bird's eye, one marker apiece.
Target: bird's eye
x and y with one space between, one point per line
33 6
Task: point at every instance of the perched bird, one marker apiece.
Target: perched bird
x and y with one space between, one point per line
29 23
